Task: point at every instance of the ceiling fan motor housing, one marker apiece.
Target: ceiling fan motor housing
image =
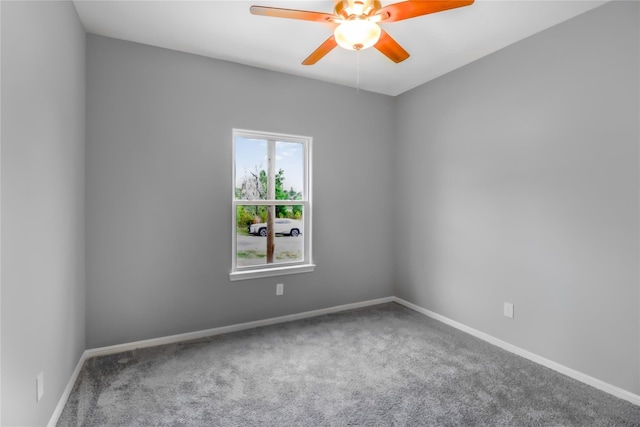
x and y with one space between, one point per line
368 8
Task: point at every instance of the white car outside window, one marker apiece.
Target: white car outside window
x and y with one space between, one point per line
290 227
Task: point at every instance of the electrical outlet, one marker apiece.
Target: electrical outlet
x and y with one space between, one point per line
280 289
508 310
39 386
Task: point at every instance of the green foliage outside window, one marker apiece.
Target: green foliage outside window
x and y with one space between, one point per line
254 187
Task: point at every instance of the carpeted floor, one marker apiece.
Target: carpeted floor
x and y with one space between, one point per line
377 366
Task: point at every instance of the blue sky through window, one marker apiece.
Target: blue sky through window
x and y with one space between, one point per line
251 154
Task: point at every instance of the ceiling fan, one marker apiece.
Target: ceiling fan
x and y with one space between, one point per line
355 23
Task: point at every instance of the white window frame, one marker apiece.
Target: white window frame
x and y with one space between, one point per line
270 270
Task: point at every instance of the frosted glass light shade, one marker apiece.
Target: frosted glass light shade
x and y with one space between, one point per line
357 34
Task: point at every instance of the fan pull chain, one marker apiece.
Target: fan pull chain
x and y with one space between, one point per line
358 72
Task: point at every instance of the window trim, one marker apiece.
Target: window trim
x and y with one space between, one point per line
271 270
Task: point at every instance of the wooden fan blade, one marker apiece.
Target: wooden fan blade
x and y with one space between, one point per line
390 48
321 51
292 14
413 8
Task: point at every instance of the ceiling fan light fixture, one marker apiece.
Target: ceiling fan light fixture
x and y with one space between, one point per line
357 34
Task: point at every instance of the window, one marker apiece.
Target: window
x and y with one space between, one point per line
271 205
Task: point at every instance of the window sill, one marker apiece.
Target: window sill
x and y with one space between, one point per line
271 272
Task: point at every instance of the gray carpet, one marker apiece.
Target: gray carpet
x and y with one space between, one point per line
377 366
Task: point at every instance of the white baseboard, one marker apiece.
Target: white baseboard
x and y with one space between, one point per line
572 373
231 328
67 391
113 349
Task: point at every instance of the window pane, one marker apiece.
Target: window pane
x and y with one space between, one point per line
251 168
289 170
252 231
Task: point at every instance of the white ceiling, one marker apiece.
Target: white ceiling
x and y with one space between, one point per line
438 43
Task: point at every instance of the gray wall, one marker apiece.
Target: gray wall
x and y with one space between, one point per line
521 171
43 122
159 157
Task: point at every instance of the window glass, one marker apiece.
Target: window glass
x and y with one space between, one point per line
289 170
252 230
251 163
